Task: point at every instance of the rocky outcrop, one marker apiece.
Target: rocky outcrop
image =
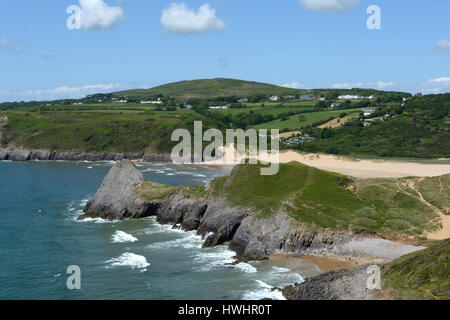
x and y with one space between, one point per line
338 285
248 234
116 198
20 154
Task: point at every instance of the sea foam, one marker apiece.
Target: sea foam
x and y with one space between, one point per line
129 259
121 237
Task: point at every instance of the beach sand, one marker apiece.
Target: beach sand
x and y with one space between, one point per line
366 168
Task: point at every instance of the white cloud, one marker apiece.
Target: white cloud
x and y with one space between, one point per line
442 45
438 85
384 85
97 15
340 6
293 85
178 18
63 92
443 80
9 45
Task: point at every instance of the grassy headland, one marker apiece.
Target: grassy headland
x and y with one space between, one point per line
325 200
420 275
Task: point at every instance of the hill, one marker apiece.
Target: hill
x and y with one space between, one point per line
321 199
420 275
210 88
418 128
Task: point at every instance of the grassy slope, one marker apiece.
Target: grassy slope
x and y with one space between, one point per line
302 120
96 132
421 129
328 200
210 88
420 275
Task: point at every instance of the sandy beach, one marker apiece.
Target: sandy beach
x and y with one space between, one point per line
366 168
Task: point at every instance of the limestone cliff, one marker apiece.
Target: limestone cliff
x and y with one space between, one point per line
249 234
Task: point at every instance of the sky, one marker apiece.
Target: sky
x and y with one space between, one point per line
52 49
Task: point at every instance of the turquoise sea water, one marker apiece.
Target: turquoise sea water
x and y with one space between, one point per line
139 259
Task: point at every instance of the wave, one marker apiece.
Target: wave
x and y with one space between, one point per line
162 228
215 258
245 267
190 241
264 291
129 259
121 237
96 220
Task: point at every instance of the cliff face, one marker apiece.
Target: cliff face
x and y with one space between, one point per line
116 198
339 285
248 234
20 154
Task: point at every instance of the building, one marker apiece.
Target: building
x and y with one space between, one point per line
243 100
290 97
335 105
274 98
369 111
306 97
219 107
152 102
355 97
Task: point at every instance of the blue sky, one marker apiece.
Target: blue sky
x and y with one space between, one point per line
125 44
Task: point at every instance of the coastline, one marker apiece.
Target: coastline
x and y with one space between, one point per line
20 154
357 167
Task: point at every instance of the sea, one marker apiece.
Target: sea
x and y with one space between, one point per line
40 238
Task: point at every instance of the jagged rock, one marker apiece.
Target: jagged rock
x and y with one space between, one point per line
163 158
338 285
19 155
40 155
116 199
4 155
181 211
249 234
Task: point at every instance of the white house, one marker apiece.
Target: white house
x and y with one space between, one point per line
242 100
274 98
219 107
334 105
355 97
368 112
152 102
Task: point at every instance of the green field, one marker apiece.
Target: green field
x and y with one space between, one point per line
295 122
